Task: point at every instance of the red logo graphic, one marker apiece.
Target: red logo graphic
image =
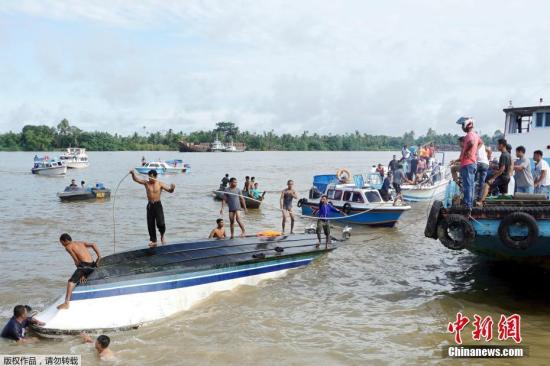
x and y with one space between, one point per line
457 326
508 327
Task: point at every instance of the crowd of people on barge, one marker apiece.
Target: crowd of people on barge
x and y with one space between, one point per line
480 174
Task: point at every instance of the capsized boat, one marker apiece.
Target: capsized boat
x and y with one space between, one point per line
46 166
360 203
75 158
86 193
136 287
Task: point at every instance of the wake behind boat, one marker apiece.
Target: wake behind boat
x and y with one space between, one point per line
135 287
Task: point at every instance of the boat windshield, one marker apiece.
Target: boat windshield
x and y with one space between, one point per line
373 196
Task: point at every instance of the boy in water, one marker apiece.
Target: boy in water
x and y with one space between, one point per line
219 231
78 250
102 346
155 213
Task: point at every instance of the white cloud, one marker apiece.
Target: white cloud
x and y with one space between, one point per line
378 67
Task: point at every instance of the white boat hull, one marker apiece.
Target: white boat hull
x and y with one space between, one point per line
424 193
136 309
53 171
77 164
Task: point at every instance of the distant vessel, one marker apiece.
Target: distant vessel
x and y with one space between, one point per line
530 127
47 166
75 158
84 193
216 146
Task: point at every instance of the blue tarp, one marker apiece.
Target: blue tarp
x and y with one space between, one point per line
322 181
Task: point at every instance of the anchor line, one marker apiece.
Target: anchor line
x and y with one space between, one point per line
114 219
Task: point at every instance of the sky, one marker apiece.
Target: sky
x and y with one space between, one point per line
379 67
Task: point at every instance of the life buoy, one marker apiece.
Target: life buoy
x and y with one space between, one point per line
343 175
433 219
455 232
346 208
301 201
521 218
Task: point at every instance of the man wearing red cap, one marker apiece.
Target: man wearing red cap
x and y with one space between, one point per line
468 160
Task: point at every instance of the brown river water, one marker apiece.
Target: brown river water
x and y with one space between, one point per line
384 297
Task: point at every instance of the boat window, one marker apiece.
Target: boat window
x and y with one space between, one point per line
347 196
334 194
547 121
538 121
373 196
358 197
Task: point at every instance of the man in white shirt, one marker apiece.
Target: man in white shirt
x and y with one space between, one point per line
482 168
542 174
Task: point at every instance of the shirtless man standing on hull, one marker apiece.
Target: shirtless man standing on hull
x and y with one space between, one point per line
153 187
234 199
287 195
78 250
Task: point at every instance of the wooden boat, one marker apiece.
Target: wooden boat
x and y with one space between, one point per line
133 288
251 202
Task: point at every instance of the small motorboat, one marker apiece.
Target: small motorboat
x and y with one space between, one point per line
84 193
360 203
175 166
136 287
164 167
46 166
75 158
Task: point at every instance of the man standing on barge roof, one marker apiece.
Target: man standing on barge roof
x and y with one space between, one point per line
468 159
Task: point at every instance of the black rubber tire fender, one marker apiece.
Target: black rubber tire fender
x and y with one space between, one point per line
433 219
301 201
455 222
347 208
518 218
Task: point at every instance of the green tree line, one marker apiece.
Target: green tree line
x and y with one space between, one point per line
46 138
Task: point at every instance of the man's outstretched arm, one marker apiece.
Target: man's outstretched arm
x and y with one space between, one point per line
167 188
135 178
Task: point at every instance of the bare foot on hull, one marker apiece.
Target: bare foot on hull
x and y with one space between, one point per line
243 234
152 244
162 240
65 305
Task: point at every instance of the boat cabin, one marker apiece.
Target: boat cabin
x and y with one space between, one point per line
341 193
528 126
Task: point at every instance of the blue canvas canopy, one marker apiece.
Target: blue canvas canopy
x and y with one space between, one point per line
322 181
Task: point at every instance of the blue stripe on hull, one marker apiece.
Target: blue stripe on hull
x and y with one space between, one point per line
188 282
374 217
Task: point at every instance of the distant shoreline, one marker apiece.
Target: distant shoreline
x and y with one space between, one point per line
208 152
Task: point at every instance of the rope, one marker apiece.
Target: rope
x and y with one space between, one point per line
307 216
114 221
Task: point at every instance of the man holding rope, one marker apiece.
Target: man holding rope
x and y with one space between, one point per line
234 199
155 213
